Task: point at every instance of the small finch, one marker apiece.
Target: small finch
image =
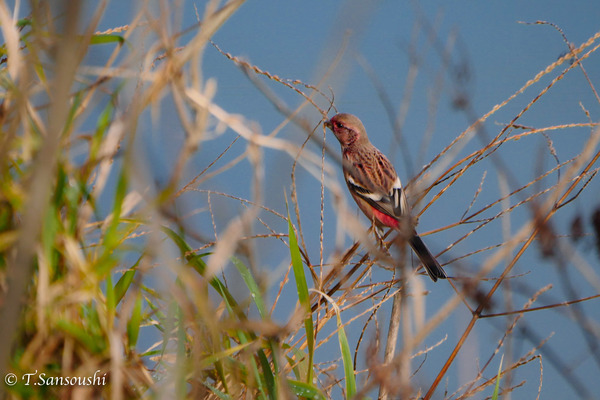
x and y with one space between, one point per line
375 186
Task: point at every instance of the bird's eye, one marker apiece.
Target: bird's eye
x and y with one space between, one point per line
338 125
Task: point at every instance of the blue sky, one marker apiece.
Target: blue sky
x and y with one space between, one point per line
300 40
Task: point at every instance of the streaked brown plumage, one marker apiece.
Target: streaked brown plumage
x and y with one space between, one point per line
375 186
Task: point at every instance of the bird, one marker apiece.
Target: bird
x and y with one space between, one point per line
376 187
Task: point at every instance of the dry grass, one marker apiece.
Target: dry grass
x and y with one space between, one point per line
103 270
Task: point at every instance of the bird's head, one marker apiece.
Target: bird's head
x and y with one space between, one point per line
347 129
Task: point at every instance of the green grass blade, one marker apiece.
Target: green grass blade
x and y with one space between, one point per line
102 39
298 362
268 378
305 390
497 388
91 342
298 268
302 288
347 359
123 285
111 303
255 292
133 325
217 392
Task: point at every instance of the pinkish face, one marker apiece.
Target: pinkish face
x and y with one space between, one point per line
345 127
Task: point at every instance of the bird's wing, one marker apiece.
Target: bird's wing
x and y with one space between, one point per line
375 180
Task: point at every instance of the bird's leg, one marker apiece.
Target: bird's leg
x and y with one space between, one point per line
384 247
379 235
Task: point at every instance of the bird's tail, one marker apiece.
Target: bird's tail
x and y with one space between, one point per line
432 266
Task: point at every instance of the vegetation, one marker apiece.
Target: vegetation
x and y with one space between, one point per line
107 273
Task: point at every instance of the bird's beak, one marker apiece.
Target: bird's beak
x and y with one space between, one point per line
328 124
